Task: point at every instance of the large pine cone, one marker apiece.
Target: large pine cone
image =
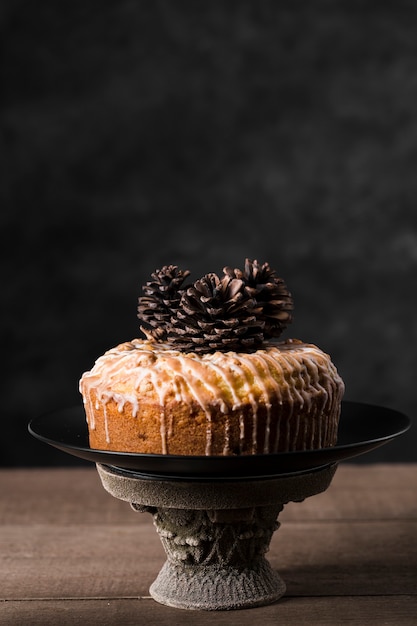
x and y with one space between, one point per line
216 314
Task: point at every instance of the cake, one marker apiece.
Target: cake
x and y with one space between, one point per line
209 377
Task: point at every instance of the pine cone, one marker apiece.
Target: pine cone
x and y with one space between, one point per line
270 292
216 314
162 295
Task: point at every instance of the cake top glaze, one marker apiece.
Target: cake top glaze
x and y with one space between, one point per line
141 368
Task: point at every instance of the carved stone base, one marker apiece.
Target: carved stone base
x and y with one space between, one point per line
213 587
216 558
215 535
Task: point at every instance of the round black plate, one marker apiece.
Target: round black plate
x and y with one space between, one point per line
362 428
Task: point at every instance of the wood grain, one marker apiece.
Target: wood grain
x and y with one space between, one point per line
69 549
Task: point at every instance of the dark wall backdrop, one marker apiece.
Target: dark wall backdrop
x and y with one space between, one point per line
138 134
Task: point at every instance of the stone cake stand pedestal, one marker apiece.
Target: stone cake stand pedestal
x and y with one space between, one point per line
215 533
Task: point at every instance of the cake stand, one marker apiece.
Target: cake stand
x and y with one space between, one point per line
216 516
215 533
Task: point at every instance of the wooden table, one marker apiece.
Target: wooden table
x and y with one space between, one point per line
72 554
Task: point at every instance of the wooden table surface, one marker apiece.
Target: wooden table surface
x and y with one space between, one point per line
72 554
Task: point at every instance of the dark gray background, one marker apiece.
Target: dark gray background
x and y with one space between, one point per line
139 134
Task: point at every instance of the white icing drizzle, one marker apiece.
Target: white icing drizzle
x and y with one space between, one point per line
291 372
257 364
236 366
106 424
226 447
163 431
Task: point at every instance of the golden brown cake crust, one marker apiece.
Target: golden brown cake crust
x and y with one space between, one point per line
145 397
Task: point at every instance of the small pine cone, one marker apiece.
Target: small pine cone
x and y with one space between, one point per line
162 296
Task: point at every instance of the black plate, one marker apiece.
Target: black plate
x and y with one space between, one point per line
362 428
